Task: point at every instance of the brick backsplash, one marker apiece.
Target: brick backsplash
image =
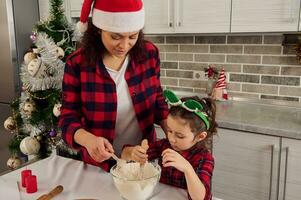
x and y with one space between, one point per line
261 66
257 66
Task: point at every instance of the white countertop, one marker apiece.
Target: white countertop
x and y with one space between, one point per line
80 181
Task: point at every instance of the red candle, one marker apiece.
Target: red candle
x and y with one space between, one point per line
24 174
31 184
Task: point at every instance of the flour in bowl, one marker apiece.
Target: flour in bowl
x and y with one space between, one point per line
131 185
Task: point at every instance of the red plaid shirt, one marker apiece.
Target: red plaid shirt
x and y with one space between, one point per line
200 159
90 99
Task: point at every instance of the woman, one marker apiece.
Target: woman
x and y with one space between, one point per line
111 89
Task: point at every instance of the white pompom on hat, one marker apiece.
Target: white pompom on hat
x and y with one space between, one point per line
117 16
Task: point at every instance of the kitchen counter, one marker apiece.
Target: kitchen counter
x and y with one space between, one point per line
270 119
259 116
80 181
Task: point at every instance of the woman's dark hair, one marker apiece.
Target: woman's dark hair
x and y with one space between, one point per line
93 48
196 123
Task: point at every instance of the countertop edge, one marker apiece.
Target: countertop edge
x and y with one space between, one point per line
259 130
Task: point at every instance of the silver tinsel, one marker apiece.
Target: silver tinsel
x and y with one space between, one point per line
55 67
24 97
27 127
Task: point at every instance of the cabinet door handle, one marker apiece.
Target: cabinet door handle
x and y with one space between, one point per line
168 14
285 171
271 171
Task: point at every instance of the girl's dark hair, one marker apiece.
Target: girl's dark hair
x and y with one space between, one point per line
94 49
196 123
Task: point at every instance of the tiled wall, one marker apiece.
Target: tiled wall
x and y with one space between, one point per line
257 66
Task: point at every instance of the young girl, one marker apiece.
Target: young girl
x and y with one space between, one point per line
185 160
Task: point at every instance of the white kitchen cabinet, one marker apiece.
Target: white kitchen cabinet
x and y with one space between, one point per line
209 16
159 16
255 166
43 9
246 165
265 16
203 16
299 28
187 16
74 7
290 179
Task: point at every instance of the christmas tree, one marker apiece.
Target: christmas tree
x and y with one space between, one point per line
34 120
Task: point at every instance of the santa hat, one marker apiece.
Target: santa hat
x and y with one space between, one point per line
117 16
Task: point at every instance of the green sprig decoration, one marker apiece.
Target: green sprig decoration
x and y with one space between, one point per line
45 101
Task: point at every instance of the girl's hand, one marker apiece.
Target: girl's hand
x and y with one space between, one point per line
171 158
136 153
99 148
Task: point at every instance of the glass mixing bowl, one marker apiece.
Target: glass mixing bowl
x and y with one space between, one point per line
131 184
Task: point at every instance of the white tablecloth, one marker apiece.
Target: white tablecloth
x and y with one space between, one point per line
79 181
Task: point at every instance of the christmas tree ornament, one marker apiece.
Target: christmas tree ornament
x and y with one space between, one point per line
29 146
10 124
36 50
29 57
13 162
39 138
52 133
57 109
51 71
33 36
28 107
219 91
25 87
36 68
53 141
59 52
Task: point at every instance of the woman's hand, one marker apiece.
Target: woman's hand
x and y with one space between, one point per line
171 158
99 148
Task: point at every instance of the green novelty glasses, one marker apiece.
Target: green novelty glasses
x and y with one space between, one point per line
190 105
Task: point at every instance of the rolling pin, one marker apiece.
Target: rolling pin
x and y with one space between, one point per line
57 190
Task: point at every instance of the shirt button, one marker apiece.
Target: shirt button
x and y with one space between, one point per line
134 94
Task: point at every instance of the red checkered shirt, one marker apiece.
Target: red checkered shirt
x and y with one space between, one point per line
90 99
201 160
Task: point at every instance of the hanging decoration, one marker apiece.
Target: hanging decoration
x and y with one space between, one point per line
219 92
211 73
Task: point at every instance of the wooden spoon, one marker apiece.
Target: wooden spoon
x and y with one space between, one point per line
120 162
57 190
144 145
